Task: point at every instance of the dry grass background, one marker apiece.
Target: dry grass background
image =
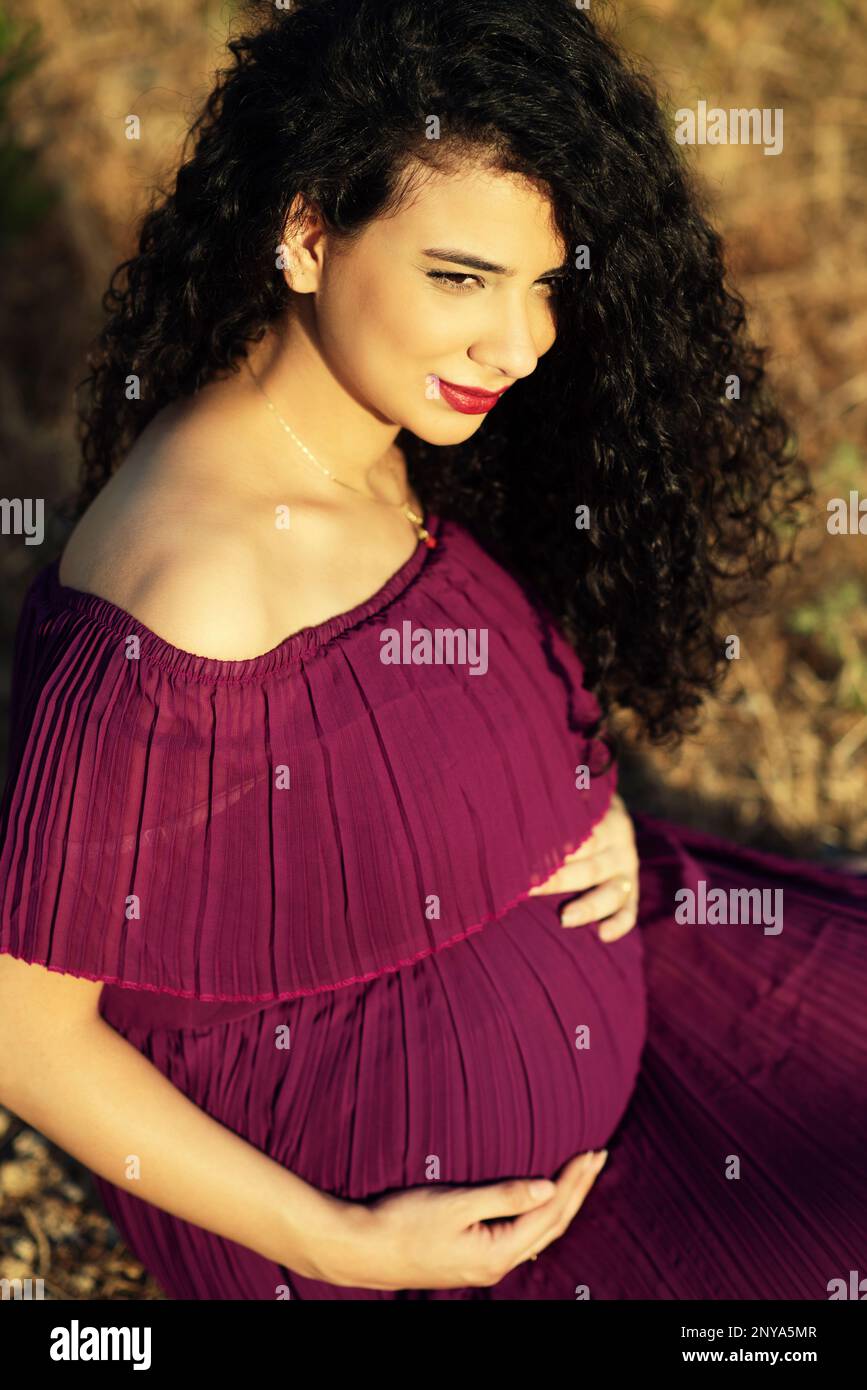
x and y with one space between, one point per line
781 756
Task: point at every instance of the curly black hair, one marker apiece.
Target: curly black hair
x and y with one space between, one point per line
690 487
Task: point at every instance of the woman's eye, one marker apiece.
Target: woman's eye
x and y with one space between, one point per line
455 280
449 278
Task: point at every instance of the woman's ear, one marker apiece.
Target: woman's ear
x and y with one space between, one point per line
300 254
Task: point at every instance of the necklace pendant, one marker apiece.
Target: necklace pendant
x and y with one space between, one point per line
420 528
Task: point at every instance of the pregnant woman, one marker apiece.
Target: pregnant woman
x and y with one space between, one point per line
325 932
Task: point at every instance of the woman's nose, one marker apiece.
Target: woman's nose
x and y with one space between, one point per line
513 342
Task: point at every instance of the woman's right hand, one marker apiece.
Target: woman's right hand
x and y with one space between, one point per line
436 1237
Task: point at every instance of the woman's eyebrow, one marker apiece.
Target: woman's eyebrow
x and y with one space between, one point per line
476 262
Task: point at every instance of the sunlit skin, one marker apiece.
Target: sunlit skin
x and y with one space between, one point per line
373 325
607 863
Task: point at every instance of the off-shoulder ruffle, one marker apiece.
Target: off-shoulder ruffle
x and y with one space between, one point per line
145 837
50 593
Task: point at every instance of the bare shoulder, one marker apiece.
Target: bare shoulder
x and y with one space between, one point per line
199 550
202 597
193 563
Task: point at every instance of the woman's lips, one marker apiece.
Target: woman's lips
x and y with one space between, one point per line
467 400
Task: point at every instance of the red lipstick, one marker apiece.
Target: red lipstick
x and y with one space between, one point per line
468 399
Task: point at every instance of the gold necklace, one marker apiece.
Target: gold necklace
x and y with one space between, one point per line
408 511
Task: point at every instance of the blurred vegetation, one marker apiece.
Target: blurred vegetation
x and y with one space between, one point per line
781 759
837 618
24 196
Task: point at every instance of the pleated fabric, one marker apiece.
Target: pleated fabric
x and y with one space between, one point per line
725 1072
349 971
301 820
739 1169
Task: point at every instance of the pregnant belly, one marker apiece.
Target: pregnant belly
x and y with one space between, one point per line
500 1056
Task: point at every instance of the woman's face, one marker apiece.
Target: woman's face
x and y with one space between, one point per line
401 320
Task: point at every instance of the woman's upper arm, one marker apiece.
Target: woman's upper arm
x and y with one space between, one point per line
33 999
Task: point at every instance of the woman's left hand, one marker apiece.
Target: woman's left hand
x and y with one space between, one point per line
607 863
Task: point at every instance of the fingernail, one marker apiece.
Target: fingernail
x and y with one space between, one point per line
601 1159
542 1189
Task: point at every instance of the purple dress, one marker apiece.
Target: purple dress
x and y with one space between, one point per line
304 879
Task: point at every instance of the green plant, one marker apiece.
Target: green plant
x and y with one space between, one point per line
845 468
835 619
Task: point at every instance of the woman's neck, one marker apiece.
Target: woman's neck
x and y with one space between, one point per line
343 436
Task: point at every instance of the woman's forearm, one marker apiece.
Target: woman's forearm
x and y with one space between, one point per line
90 1091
